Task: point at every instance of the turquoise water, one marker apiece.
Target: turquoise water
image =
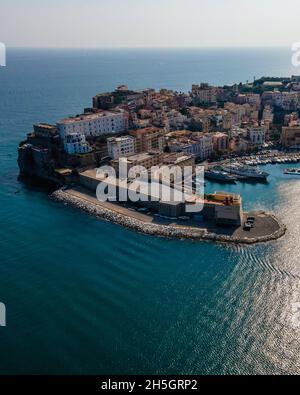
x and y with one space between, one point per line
86 296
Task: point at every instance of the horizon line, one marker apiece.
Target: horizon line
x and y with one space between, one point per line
151 48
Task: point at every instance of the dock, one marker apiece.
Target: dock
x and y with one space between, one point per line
267 226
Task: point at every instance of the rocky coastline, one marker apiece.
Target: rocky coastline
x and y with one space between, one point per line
160 230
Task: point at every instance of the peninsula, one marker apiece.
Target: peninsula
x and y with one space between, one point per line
229 130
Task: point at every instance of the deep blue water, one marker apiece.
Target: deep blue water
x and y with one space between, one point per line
86 296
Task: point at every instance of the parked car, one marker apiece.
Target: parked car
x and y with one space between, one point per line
248 226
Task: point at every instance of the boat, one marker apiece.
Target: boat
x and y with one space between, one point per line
220 176
252 173
294 172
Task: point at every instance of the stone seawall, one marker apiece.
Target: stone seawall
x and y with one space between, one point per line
168 231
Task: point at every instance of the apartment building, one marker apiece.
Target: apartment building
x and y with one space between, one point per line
198 144
94 124
257 136
120 146
149 139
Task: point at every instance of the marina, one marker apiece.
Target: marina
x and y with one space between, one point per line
247 168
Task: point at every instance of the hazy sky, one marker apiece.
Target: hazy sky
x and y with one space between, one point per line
149 23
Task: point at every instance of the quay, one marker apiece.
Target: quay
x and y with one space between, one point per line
267 226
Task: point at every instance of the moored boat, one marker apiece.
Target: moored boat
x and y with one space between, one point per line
294 172
252 173
220 176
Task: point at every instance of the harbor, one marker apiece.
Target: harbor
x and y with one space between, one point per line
247 168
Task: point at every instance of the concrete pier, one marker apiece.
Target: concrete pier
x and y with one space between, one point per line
267 227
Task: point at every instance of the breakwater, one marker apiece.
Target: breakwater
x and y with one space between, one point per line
170 231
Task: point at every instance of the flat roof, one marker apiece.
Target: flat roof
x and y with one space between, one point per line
176 157
142 156
150 129
192 199
86 117
121 138
272 83
45 125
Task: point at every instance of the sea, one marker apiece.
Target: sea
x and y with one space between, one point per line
84 296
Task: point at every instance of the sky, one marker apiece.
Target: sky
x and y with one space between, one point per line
149 23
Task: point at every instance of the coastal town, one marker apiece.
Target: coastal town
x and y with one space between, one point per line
230 130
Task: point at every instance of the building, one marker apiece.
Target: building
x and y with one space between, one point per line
205 93
290 137
249 98
226 120
176 119
242 113
268 115
75 143
291 119
44 130
220 142
198 144
257 136
120 146
238 144
149 139
124 97
178 159
176 164
145 159
94 124
103 100
223 208
285 100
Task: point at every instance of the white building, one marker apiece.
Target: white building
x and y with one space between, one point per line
257 136
75 143
120 146
94 124
201 146
206 143
176 119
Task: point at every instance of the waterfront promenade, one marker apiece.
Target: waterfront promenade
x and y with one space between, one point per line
267 226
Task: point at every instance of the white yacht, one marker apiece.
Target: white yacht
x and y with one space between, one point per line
247 171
